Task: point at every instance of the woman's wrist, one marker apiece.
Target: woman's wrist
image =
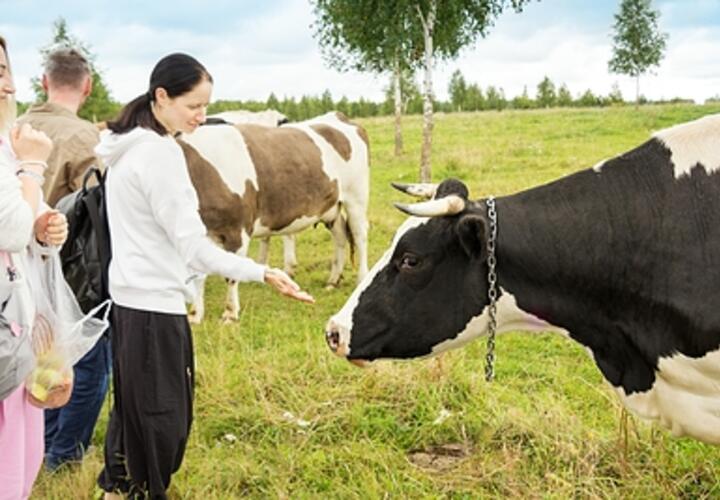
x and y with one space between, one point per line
30 174
37 166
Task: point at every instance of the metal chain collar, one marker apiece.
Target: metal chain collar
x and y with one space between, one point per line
492 290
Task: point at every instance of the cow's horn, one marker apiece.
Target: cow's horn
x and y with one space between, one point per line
448 205
422 190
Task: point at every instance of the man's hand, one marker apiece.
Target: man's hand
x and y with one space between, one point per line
286 286
51 228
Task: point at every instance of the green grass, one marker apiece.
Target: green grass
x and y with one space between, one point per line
548 427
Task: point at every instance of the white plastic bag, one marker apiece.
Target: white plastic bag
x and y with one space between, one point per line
61 334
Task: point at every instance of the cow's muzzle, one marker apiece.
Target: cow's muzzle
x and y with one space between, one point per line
339 343
332 337
334 340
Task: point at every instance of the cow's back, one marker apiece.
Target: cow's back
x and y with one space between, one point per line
291 180
346 153
274 176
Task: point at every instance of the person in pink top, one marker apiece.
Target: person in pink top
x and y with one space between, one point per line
23 222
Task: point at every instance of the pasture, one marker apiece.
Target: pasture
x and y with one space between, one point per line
278 416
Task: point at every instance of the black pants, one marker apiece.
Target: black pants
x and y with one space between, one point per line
153 381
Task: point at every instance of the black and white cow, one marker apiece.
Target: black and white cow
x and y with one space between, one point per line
624 258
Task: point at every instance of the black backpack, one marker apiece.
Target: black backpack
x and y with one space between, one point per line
86 254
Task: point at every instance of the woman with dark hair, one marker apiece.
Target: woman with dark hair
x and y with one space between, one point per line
159 244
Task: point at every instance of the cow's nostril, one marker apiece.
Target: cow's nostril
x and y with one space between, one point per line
333 339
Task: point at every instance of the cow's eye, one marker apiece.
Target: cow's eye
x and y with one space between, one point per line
408 262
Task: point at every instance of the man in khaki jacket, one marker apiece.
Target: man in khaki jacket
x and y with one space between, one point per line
68 82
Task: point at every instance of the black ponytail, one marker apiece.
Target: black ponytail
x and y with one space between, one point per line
137 113
177 74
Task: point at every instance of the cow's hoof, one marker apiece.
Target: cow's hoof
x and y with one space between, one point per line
333 282
228 317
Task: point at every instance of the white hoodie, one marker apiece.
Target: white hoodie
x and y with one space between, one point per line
159 243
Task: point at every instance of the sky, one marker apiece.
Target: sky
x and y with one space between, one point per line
255 47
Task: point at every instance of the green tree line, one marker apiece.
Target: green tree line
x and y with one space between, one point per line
463 96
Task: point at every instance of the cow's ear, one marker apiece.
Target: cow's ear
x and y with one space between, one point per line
472 230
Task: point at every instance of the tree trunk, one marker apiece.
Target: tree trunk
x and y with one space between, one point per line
637 91
428 25
398 111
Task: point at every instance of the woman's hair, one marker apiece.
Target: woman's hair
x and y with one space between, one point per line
8 108
177 74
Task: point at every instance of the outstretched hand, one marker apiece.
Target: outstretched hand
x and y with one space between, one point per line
286 286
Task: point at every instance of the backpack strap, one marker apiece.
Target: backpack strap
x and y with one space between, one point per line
99 177
97 212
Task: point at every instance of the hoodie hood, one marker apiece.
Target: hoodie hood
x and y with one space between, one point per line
112 146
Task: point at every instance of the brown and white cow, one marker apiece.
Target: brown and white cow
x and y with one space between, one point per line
268 118
255 181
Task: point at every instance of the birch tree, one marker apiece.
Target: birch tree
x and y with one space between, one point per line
366 35
413 33
638 44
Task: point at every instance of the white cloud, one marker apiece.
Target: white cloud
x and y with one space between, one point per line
691 67
251 54
273 53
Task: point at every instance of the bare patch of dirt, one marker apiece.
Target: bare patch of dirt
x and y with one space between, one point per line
439 458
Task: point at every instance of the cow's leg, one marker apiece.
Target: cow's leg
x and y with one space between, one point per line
289 258
357 220
264 252
339 236
232 302
232 299
197 309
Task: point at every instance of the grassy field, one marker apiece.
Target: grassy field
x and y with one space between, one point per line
278 416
